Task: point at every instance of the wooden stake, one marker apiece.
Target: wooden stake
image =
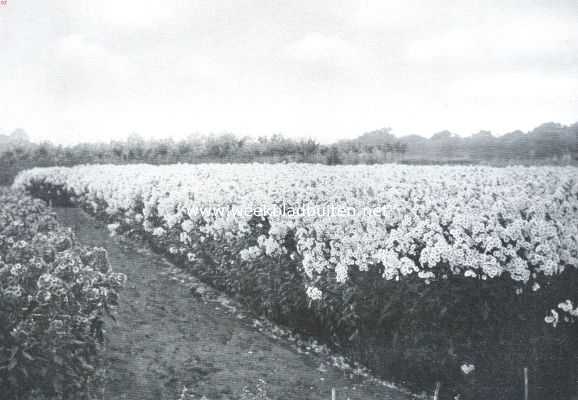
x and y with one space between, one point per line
437 391
525 383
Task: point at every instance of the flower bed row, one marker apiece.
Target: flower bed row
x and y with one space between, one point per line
54 294
466 276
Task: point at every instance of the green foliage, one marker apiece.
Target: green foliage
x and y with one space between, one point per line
547 144
54 294
213 148
410 331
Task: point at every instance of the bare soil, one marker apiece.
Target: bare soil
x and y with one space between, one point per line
170 335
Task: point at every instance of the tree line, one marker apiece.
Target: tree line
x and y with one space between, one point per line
550 143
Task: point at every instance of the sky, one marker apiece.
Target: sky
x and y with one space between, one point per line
85 71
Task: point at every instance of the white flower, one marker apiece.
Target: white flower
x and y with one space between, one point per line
552 319
470 274
468 368
112 228
426 275
184 238
251 253
16 270
566 306
187 226
314 293
158 231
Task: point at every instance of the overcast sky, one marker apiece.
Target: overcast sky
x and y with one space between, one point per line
89 70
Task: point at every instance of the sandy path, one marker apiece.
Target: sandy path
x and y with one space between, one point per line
167 338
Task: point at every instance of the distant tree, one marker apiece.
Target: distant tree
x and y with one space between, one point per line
548 143
547 140
19 136
333 157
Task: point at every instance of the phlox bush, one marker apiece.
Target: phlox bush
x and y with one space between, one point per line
466 276
54 294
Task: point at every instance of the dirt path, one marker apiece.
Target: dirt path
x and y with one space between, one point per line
167 338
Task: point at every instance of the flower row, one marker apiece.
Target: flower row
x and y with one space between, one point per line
53 296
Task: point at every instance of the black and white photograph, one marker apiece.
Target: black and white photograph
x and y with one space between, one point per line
288 200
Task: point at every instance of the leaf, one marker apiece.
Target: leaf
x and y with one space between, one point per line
58 360
24 371
13 352
353 335
84 364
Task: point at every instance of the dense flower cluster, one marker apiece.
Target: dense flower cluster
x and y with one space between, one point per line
477 221
475 245
53 295
567 309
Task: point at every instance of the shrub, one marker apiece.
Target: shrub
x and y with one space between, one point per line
455 282
54 295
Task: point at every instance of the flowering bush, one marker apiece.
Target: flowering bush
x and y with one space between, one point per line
459 266
54 294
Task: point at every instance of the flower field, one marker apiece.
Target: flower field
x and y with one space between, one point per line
462 275
54 294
